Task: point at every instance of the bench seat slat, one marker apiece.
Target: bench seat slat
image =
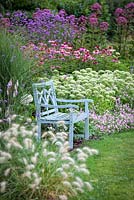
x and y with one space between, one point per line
65 117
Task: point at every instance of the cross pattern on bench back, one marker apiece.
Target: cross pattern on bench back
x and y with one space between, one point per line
48 110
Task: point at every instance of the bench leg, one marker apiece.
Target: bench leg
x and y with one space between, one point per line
38 130
86 136
71 135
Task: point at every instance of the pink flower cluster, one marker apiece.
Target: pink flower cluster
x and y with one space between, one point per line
122 118
106 51
54 51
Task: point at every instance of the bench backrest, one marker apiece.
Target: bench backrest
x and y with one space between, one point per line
44 93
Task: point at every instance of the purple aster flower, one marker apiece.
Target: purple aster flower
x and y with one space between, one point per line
104 26
62 13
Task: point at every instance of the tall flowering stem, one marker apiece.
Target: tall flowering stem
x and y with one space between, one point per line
124 20
96 26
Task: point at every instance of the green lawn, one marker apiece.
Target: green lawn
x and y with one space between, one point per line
112 171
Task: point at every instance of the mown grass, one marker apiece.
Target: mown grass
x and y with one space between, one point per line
112 171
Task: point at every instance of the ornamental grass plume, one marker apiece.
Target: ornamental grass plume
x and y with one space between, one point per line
41 170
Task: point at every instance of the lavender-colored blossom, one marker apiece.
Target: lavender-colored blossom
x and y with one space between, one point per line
104 26
62 13
8 14
96 7
18 18
46 25
9 85
121 21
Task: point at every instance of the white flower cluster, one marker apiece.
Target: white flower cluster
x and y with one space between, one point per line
102 86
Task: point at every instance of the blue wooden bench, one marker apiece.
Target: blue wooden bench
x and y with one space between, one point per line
47 109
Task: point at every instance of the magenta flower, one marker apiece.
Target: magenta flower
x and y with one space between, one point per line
104 26
5 22
129 10
93 21
115 60
93 15
96 7
130 6
119 12
121 21
62 13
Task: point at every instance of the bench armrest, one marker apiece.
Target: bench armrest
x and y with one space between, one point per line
60 106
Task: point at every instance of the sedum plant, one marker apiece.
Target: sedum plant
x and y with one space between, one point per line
102 86
41 170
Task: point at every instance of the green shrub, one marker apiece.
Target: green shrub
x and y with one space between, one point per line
27 5
76 7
